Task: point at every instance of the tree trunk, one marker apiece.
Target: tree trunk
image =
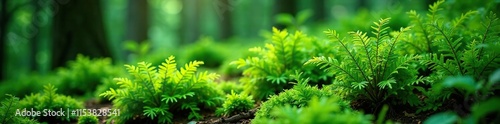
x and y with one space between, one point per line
4 19
78 29
285 6
137 20
362 4
190 29
34 30
319 10
225 18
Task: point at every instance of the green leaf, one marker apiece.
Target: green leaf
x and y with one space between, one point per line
442 118
387 83
303 15
359 85
482 109
494 78
461 82
285 19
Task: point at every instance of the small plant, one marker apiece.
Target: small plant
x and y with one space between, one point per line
83 75
317 111
8 112
270 71
298 96
88 120
229 87
465 53
235 103
157 93
50 100
370 68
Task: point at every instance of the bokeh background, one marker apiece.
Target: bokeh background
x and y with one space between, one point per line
41 38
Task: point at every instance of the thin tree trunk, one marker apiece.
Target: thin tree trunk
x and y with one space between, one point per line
34 30
285 6
78 29
190 30
319 10
226 24
137 20
4 19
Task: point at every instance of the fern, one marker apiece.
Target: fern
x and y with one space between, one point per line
158 93
297 97
270 72
370 66
458 48
50 100
235 103
84 75
8 112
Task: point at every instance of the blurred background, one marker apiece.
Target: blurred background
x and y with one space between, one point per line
40 36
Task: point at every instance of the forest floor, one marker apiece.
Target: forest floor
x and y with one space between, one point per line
399 114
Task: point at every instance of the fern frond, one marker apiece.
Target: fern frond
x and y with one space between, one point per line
458 21
387 83
434 8
359 85
370 66
187 72
167 69
351 53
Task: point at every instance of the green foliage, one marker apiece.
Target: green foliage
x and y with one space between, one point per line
480 112
157 93
294 23
442 118
298 96
83 75
454 47
138 49
422 31
370 68
88 120
107 83
205 50
481 93
473 56
270 71
8 112
145 51
457 46
50 100
229 87
318 111
235 103
462 85
24 85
